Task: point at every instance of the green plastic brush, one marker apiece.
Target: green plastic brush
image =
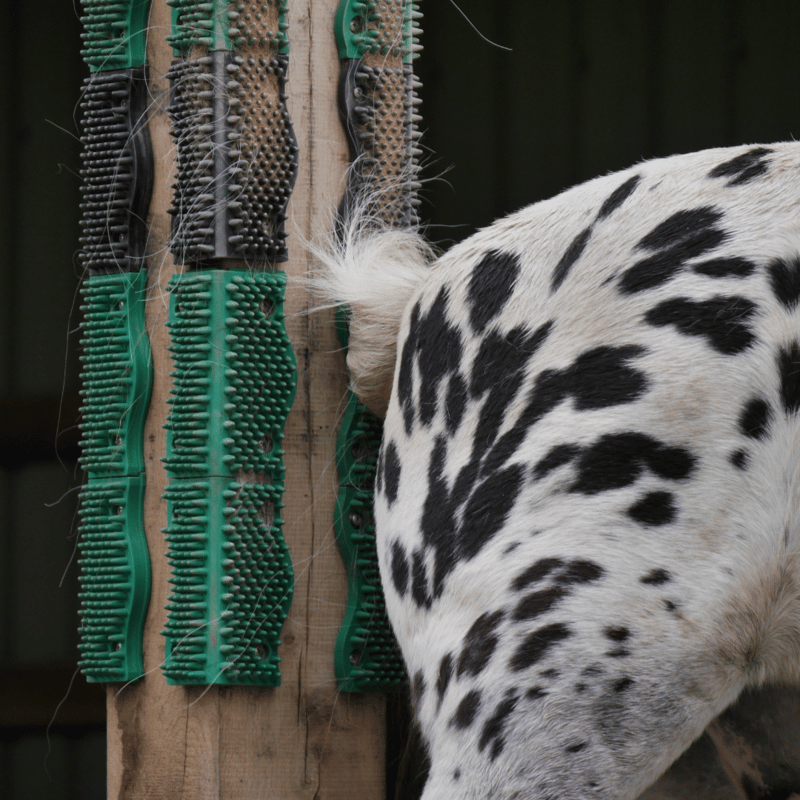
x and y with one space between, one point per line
377 42
116 369
234 382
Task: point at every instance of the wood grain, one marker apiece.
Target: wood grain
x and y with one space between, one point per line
304 739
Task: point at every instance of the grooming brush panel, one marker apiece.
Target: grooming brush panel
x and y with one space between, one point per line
116 173
234 377
232 582
116 375
237 152
115 33
366 655
234 382
377 43
114 580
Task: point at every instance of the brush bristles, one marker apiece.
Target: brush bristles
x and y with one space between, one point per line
234 382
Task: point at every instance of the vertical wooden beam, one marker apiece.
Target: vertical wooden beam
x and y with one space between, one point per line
304 739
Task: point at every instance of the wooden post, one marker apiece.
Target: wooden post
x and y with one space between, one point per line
304 739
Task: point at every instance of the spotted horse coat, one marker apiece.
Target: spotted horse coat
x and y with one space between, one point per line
587 494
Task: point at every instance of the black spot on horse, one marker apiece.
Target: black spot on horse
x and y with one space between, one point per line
619 652
501 355
656 577
683 228
488 508
723 321
492 731
599 378
670 605
655 508
405 377
491 286
685 235
536 603
417 688
573 252
556 457
485 511
755 418
419 580
623 684
618 197
443 678
536 645
399 569
456 402
535 693
739 459
479 644
439 351
789 371
391 471
784 277
576 748
536 572
743 168
549 673
467 709
580 570
731 267
617 460
617 634
499 370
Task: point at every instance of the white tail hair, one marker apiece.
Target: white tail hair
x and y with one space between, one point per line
373 270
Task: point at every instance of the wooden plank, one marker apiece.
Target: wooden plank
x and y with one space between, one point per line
303 739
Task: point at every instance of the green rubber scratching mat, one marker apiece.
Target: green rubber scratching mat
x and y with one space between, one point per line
115 579
367 657
234 382
116 374
115 569
115 33
377 42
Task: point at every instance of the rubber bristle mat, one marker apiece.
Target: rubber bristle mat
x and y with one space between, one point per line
114 34
115 570
378 104
222 25
114 581
234 382
367 656
237 153
387 152
116 175
116 374
232 583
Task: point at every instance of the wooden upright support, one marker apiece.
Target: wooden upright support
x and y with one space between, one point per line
304 739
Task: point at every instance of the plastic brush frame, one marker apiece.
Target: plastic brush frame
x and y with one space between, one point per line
234 382
237 152
377 42
116 364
